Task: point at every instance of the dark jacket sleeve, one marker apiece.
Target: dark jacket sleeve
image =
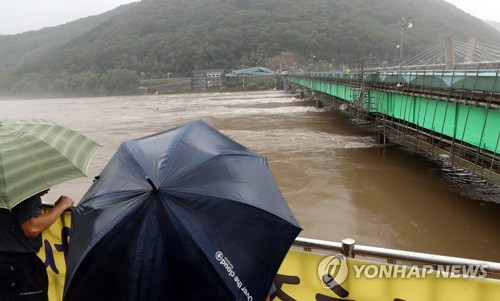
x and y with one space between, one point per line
29 208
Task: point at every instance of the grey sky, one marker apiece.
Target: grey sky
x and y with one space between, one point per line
18 16
483 9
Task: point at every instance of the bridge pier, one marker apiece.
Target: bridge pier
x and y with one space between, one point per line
381 139
319 104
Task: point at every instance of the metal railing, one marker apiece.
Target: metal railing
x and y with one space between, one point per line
349 249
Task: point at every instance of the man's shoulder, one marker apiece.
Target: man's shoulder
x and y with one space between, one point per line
29 208
32 201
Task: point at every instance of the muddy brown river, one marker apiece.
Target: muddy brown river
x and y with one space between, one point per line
338 182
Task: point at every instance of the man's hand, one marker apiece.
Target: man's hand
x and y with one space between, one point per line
65 202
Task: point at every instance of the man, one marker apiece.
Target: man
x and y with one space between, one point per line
22 274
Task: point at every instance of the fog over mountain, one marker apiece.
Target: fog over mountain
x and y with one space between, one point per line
493 24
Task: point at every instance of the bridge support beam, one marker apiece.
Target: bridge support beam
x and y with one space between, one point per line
471 48
449 53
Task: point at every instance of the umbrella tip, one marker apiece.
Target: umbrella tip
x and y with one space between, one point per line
155 188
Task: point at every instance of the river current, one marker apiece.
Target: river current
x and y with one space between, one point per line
336 179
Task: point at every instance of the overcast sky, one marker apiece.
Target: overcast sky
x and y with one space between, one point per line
483 9
18 16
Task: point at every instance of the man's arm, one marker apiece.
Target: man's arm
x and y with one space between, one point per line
36 225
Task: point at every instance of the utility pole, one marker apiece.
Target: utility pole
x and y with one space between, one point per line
404 25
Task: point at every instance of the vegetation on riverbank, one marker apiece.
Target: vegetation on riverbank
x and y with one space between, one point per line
110 53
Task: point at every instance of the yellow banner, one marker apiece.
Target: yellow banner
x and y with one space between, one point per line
299 279
54 252
305 276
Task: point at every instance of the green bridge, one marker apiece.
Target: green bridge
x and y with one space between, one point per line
453 115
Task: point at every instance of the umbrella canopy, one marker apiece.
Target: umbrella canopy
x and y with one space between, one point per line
186 214
37 154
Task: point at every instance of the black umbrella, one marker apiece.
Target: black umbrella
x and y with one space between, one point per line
186 214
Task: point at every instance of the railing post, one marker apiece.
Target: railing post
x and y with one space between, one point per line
348 247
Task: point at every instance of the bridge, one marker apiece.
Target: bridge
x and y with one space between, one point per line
445 107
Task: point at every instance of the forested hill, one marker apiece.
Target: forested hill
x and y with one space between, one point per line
156 37
33 44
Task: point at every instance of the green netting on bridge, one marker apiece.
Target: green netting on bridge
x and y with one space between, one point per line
467 80
474 125
341 91
477 126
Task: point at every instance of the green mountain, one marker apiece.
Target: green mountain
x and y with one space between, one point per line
105 54
31 46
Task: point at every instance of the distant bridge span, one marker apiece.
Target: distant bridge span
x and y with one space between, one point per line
450 114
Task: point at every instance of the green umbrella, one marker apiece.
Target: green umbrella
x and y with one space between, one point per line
37 154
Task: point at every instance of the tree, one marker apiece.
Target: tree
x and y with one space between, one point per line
119 81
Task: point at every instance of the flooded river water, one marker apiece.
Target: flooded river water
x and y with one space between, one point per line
338 182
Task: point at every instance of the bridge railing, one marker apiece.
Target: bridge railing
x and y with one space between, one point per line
479 80
349 248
